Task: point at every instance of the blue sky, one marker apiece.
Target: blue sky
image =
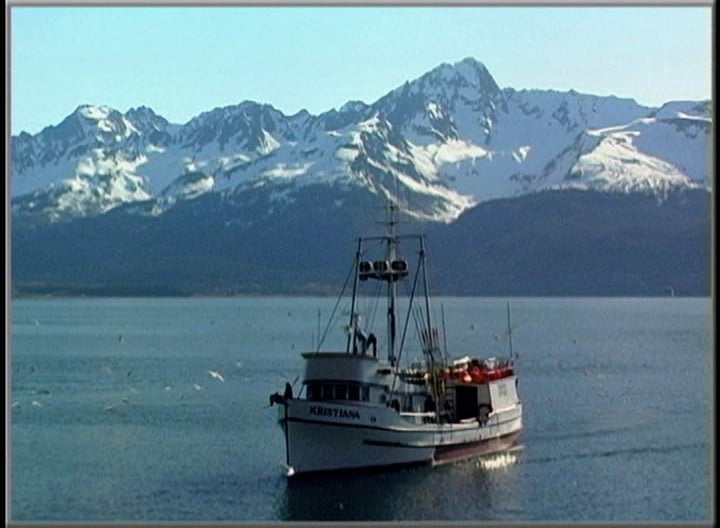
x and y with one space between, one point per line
182 61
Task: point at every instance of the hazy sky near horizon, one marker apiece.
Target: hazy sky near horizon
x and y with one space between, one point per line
184 60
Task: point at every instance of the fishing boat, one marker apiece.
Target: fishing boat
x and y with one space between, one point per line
362 408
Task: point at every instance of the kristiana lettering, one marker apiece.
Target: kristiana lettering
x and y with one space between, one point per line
334 413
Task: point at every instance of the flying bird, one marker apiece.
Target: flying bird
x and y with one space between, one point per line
215 374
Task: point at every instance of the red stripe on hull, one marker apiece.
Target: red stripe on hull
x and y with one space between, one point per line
445 454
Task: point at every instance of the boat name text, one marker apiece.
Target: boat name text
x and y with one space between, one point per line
335 413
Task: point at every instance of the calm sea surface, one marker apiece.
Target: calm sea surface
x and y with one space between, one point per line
115 417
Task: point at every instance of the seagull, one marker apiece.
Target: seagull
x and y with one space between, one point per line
216 374
197 387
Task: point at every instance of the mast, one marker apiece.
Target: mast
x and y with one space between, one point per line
392 243
433 345
431 340
390 270
352 336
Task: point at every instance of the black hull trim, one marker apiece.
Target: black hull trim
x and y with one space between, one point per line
355 426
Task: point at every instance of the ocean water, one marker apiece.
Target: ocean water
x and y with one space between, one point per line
115 417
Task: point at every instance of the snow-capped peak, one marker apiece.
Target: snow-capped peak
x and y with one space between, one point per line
439 144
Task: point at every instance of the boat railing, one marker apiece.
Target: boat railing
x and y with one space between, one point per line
420 417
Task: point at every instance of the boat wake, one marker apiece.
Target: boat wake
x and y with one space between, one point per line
619 452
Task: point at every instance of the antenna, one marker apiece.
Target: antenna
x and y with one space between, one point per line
509 323
442 309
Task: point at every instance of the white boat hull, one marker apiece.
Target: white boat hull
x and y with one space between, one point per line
323 436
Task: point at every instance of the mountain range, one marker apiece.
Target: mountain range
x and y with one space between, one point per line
244 199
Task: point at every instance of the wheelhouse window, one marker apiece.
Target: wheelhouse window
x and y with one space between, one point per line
313 391
365 393
327 392
337 391
341 392
354 393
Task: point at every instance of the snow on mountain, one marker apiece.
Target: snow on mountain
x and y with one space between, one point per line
447 103
53 154
101 182
439 145
652 155
609 160
678 133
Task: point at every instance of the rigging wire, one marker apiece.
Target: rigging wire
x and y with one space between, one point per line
372 312
405 326
337 303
